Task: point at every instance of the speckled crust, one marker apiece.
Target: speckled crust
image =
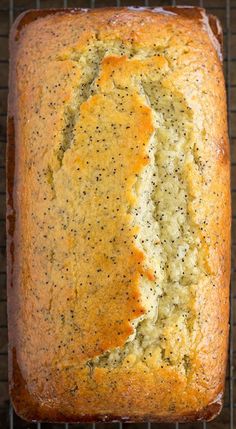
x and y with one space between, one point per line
73 281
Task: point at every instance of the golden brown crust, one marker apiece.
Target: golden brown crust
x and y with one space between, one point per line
41 389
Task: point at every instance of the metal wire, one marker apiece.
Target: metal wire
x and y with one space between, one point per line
93 3
204 424
11 417
11 18
11 11
229 99
38 5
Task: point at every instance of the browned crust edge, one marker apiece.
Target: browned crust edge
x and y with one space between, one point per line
34 412
189 12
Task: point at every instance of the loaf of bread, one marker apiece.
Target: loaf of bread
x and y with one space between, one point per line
118 216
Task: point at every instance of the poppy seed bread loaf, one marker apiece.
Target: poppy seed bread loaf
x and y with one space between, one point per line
118 216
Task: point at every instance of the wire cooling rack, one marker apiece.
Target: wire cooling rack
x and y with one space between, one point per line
226 11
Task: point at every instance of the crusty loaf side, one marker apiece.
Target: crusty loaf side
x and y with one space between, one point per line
119 216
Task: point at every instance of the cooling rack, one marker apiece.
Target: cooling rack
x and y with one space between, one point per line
226 12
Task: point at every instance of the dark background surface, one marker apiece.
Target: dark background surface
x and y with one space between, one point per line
225 10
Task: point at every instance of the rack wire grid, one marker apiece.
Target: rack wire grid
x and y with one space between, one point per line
225 10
